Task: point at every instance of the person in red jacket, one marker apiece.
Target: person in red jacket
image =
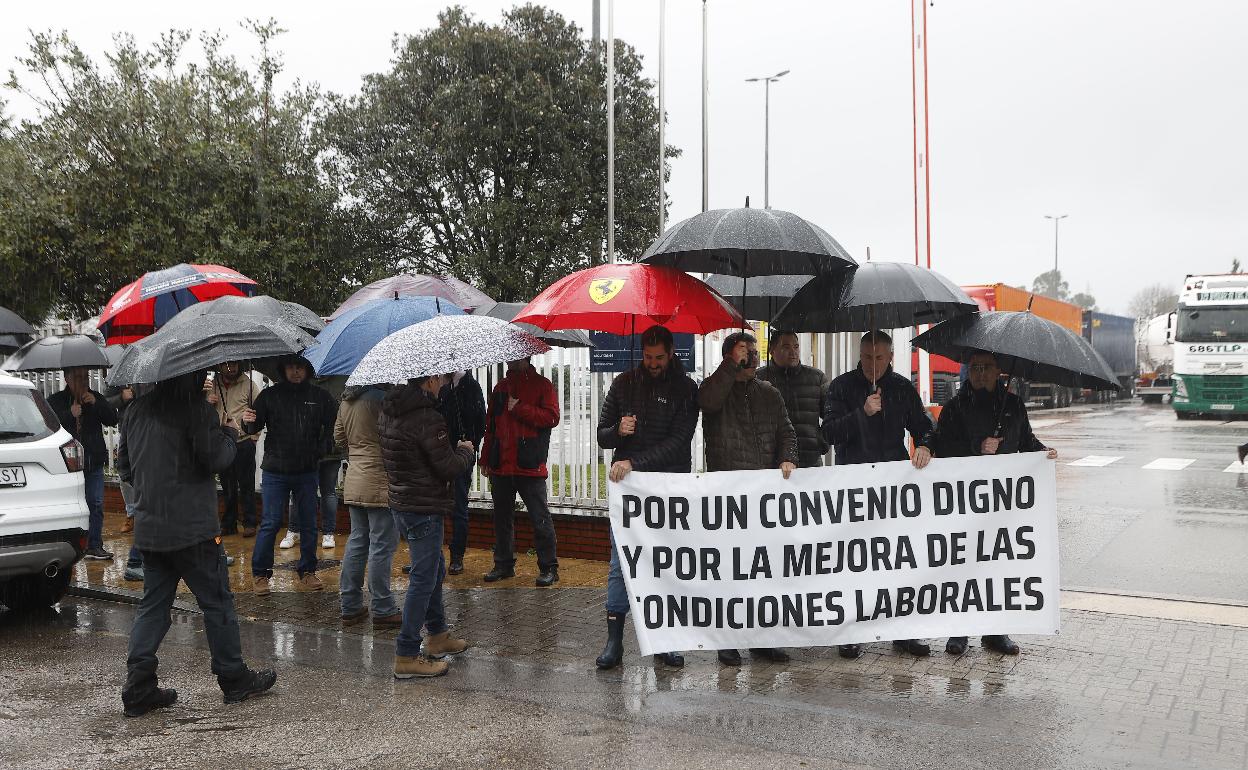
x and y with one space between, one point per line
523 409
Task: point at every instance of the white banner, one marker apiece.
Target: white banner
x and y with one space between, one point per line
839 555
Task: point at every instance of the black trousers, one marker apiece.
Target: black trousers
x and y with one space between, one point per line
238 484
503 489
203 568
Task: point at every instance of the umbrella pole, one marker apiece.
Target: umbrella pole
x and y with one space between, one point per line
1000 430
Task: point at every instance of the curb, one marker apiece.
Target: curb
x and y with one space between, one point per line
121 596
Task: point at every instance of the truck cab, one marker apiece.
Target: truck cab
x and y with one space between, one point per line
1211 347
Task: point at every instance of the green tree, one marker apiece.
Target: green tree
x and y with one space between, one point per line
1050 284
481 152
1084 300
1152 301
1235 268
149 160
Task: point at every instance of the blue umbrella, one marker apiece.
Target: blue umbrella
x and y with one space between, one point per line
343 343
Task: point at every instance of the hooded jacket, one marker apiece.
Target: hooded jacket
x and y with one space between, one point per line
89 428
300 420
803 392
517 441
416 448
972 416
745 423
356 433
666 408
879 438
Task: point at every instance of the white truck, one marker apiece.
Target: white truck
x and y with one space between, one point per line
1211 347
1156 355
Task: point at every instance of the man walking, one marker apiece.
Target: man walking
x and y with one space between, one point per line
232 392
747 428
85 413
867 413
523 410
463 407
170 447
648 418
300 420
803 389
984 418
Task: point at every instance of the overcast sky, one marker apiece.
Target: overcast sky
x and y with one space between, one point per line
1130 117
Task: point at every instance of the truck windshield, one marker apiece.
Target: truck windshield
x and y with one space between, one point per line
1213 324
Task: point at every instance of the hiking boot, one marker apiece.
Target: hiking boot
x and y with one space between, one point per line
956 645
309 582
260 585
419 665
1000 643
914 647
156 699
443 644
388 620
288 542
548 578
499 573
253 683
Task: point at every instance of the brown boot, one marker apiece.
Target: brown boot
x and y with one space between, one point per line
309 582
128 524
388 620
420 665
443 644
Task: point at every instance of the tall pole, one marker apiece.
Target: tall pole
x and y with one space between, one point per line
706 164
767 144
611 131
1056 221
597 36
662 117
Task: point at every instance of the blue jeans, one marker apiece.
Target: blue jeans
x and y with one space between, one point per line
423 605
275 490
459 516
95 507
373 538
327 482
617 591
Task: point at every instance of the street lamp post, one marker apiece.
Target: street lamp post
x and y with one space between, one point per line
767 81
1056 220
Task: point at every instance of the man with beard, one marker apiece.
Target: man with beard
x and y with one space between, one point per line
648 419
803 390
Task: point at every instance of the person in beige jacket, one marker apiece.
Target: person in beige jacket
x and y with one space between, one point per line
231 391
374 537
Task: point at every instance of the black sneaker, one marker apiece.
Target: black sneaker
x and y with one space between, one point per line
99 554
548 578
253 683
156 699
499 573
456 567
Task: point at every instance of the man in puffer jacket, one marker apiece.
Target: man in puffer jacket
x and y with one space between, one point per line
802 388
421 465
747 428
300 419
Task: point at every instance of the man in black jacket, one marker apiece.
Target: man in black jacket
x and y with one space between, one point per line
803 390
300 420
84 413
171 445
463 407
984 418
866 415
648 419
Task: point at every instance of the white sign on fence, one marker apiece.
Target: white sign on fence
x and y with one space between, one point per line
839 555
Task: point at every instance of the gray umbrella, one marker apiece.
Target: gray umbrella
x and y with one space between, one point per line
764 296
205 342
447 287
566 338
442 345
877 295
12 323
61 351
11 342
263 307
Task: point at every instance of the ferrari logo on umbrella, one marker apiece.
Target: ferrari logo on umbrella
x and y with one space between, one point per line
603 290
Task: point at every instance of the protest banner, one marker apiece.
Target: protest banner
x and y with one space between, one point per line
839 555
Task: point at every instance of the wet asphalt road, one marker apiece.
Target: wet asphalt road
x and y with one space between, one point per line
1150 531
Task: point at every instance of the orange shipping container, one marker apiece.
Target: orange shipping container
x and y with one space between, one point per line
1000 296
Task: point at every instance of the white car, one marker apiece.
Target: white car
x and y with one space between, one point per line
43 509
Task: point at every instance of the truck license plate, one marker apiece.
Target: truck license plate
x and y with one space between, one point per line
1222 407
12 476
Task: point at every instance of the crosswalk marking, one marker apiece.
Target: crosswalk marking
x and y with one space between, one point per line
1236 467
1169 464
1095 461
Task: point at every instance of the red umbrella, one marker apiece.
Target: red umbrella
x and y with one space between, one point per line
142 307
626 298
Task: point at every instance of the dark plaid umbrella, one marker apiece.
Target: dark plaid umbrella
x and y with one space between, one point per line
565 338
764 296
12 323
1025 345
263 307
461 294
877 295
62 351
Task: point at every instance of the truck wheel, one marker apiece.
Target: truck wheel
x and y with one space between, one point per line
1185 415
33 592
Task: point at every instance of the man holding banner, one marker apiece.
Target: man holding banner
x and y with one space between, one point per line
747 428
648 418
984 418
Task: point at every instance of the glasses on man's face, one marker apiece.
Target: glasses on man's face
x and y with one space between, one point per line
980 368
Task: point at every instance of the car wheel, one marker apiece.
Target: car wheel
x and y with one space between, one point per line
34 592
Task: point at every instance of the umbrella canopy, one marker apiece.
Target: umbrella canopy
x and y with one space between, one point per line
263 307
1025 345
446 287
11 342
62 351
342 344
764 296
628 298
877 295
507 311
142 307
748 243
442 345
12 323
190 345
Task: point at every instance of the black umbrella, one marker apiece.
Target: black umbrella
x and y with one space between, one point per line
262 307
205 342
62 351
563 338
877 295
764 296
1025 345
11 342
12 323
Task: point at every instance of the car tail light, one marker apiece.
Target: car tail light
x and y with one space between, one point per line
82 542
72 452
